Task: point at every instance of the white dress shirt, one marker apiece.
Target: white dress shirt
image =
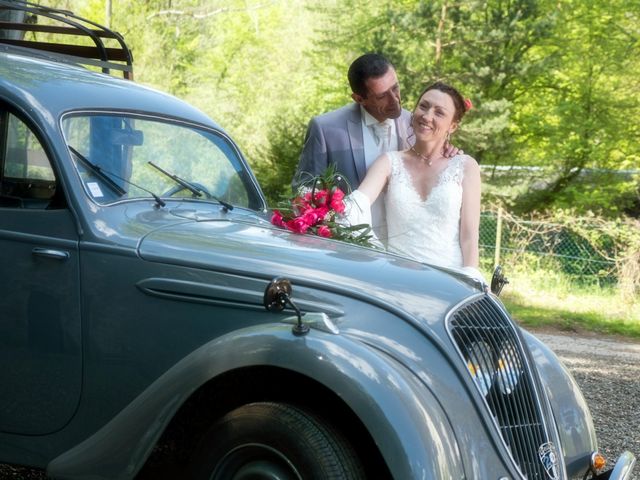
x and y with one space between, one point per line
373 148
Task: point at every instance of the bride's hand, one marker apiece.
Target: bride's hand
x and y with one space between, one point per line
357 209
358 212
474 273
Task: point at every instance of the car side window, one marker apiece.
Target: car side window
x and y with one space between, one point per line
28 180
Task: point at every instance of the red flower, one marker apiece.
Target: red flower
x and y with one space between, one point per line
337 202
315 208
311 216
321 197
276 219
467 104
324 231
337 194
297 225
322 212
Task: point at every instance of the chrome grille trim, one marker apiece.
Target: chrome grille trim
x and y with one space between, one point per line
518 416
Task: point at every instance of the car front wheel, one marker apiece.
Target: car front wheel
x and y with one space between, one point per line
274 441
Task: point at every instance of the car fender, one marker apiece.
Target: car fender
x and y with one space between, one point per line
404 419
572 416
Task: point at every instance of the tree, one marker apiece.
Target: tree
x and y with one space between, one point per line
554 83
481 47
576 113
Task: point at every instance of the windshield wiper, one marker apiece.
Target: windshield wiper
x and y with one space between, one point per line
99 172
195 189
104 175
177 179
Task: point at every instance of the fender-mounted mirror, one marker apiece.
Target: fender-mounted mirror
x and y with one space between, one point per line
276 294
498 280
276 297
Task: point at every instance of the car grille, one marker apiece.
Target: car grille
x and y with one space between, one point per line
488 344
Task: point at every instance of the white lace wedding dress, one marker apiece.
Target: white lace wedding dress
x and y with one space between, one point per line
426 229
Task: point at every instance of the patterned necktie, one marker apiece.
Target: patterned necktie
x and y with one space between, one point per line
382 131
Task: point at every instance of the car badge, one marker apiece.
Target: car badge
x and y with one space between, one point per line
549 459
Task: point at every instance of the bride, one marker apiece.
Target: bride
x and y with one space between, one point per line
432 202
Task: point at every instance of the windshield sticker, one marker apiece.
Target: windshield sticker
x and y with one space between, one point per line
94 188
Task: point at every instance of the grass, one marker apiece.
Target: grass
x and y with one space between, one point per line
534 316
547 299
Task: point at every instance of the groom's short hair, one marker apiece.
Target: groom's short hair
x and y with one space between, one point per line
369 65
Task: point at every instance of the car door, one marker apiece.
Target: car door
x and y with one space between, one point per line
40 341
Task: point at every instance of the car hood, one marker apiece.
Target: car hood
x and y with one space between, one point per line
255 249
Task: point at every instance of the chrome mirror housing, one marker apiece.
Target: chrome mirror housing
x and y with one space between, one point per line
498 281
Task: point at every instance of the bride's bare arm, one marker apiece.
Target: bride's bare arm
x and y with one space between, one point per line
470 214
376 177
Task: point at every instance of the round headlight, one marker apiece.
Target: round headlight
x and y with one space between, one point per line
480 365
509 371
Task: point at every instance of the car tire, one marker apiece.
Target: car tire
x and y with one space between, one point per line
274 441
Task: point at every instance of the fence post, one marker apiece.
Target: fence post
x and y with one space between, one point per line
496 258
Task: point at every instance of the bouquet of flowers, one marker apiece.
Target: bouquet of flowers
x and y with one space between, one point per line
316 208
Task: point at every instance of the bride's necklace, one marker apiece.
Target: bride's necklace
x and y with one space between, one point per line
424 158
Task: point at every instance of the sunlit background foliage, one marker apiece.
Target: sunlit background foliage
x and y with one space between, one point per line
555 86
555 83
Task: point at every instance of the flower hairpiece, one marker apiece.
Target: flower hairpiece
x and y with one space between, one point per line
467 104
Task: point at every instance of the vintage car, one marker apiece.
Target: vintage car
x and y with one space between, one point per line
150 312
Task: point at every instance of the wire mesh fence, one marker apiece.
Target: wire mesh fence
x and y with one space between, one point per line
506 239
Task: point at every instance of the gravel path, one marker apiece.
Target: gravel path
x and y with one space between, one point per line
608 372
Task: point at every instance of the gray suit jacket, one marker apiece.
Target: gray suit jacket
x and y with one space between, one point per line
336 138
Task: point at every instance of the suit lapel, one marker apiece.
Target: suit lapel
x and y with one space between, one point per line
354 127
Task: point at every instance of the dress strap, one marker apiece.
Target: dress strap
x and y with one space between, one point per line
395 160
454 172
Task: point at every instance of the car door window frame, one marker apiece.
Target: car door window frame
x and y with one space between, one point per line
42 191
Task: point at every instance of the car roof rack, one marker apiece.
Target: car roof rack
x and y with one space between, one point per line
17 17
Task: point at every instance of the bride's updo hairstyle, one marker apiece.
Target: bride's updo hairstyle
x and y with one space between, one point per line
459 102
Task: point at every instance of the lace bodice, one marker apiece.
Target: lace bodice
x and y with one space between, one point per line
427 230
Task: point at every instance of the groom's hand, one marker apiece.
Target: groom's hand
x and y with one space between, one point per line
449 150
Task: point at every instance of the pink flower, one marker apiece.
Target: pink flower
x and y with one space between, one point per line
315 210
322 212
276 219
338 206
467 104
324 231
336 202
311 216
297 225
321 197
337 193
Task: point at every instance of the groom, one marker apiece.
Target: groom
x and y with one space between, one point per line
353 136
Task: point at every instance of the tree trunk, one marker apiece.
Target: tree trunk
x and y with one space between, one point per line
107 14
439 33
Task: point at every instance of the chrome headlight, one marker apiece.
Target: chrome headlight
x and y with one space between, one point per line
488 343
480 365
509 370
488 367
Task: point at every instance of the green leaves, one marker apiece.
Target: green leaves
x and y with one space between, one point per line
554 84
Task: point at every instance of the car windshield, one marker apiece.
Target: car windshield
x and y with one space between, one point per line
120 157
